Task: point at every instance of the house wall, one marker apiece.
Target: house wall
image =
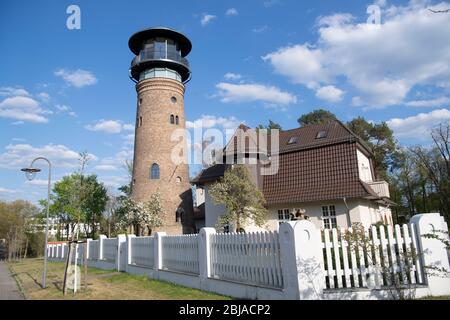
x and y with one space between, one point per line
360 210
212 211
364 167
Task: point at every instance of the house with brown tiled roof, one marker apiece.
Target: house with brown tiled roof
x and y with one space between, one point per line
323 173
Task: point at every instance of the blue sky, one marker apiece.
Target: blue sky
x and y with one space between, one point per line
65 91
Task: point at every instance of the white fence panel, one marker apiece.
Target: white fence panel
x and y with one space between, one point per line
386 255
94 249
110 249
142 251
252 258
180 253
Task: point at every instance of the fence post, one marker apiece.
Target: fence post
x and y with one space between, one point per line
130 248
100 246
121 238
88 240
433 252
157 253
302 260
204 252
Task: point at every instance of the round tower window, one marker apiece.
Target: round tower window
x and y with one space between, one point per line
178 179
173 99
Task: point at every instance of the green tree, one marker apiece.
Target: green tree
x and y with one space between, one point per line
79 199
316 117
270 126
242 200
17 219
380 139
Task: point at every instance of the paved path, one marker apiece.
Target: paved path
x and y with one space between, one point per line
8 286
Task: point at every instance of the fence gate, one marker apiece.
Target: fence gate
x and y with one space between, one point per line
123 256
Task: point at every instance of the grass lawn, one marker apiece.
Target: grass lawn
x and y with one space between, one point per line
102 285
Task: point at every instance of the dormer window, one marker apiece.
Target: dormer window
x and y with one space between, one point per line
321 134
292 140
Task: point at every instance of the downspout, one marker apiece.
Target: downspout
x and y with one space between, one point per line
349 221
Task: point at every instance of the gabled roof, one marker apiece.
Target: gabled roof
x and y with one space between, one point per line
336 132
310 169
209 174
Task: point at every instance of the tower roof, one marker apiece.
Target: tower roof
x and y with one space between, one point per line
136 40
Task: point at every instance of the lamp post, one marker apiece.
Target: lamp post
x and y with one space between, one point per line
30 173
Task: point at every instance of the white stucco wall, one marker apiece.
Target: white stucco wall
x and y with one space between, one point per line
212 211
360 210
364 168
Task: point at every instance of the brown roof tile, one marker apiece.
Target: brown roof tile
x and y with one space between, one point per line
311 169
323 173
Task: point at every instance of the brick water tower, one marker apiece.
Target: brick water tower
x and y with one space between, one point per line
161 70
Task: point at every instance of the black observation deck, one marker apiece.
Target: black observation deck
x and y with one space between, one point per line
160 48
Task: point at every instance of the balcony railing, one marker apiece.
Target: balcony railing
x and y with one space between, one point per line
151 54
381 188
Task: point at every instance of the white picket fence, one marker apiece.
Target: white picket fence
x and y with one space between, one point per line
298 262
389 256
248 258
142 253
180 253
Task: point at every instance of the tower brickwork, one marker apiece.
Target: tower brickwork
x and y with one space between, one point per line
160 72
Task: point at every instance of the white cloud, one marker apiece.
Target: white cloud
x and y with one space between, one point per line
105 167
211 121
128 127
438 102
128 139
38 182
5 190
206 19
114 182
382 63
62 108
44 96
78 78
232 76
301 63
418 126
232 12
17 156
229 92
22 108
330 93
13 91
109 126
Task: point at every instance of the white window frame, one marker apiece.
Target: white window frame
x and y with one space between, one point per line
329 219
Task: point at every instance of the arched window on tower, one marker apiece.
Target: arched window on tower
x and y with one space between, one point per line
172 119
154 172
176 120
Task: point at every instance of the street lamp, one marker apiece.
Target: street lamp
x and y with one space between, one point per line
30 173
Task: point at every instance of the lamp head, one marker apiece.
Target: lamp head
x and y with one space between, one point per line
30 173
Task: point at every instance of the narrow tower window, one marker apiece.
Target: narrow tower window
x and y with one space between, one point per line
172 121
154 174
176 120
140 121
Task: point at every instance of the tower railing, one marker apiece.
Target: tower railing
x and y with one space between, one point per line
152 54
